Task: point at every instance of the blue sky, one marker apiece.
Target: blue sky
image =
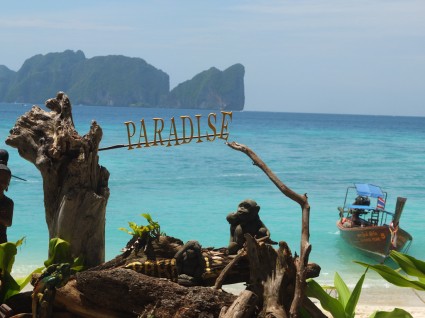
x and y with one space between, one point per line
354 57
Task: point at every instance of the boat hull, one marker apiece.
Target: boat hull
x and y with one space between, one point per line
374 240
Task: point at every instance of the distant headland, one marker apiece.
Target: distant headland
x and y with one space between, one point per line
117 80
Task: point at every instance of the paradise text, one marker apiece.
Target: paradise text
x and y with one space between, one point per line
188 131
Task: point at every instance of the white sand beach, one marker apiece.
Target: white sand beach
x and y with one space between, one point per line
386 299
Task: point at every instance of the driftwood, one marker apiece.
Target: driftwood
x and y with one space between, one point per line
275 305
69 298
224 269
101 286
243 307
130 292
75 185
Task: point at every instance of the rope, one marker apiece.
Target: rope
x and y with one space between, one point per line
393 229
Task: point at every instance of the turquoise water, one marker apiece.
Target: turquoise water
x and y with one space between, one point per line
191 188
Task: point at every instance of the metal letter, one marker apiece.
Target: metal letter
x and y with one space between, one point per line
129 135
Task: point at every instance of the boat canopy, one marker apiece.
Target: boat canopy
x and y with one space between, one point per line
370 190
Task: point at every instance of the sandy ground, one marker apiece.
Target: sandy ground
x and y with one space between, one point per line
386 299
373 299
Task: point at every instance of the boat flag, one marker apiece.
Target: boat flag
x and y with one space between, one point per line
380 204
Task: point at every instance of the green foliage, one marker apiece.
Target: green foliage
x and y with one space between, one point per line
410 265
60 252
9 286
345 304
396 313
152 229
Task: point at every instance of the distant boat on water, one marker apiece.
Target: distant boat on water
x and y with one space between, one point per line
368 227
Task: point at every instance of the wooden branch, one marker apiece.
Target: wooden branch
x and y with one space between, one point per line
312 309
258 162
220 279
302 200
300 284
256 271
276 293
242 307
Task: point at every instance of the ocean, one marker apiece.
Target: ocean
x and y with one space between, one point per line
189 189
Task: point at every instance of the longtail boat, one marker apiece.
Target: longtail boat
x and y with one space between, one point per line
367 226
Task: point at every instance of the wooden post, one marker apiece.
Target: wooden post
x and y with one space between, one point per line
399 209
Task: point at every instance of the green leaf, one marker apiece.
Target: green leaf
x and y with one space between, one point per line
409 264
9 287
354 298
147 217
78 264
8 251
396 313
125 230
20 242
22 282
59 252
327 302
342 289
151 229
133 226
394 277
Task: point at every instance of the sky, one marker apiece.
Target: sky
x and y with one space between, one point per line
336 56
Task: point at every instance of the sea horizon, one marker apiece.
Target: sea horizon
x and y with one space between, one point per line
41 104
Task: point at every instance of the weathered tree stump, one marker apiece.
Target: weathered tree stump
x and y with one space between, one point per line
75 185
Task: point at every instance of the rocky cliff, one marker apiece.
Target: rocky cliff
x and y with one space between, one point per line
117 80
211 89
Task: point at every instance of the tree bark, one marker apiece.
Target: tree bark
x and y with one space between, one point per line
243 307
71 299
124 290
75 185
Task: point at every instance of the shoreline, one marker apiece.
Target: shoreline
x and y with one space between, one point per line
386 299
